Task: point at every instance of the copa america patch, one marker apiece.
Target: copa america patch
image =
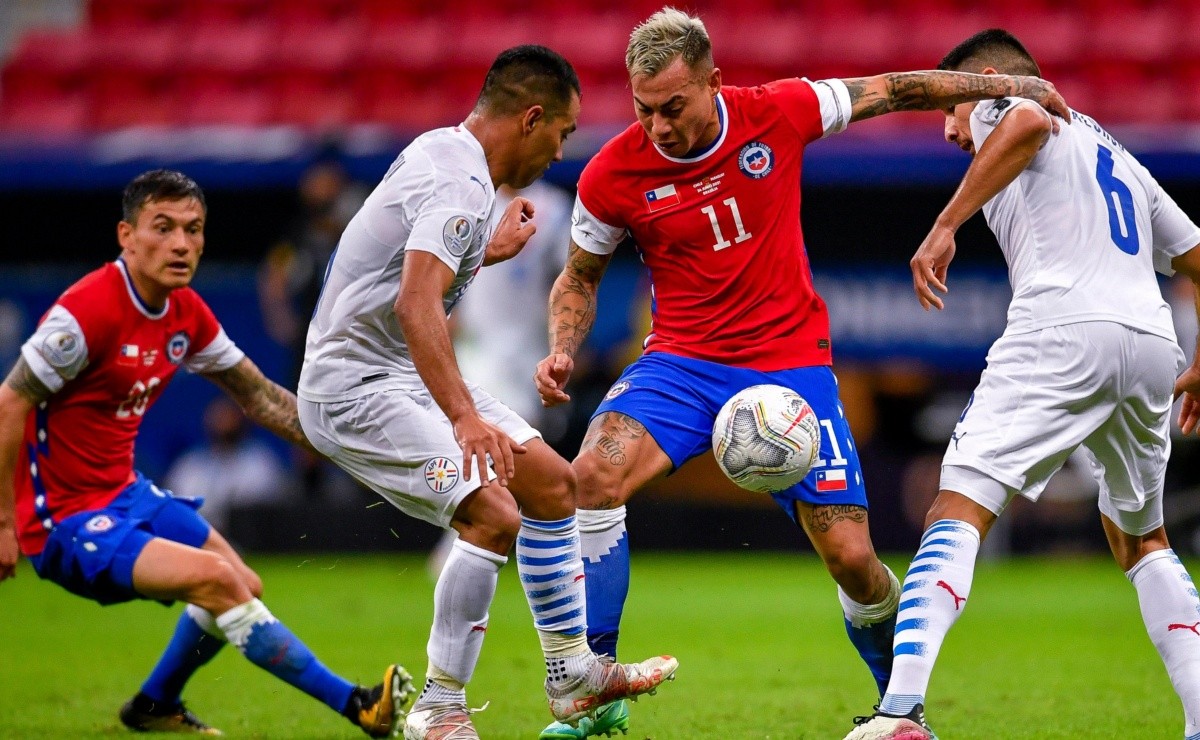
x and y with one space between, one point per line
457 235
177 347
616 390
756 160
62 349
99 523
441 474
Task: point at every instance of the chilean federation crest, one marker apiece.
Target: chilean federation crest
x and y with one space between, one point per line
441 474
177 347
756 160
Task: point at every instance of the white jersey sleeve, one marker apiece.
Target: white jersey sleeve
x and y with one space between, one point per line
834 99
446 217
57 351
592 234
220 354
989 113
1174 233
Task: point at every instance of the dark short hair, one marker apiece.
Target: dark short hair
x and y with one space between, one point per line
158 185
994 47
528 75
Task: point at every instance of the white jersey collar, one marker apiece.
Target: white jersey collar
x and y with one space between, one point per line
138 303
723 120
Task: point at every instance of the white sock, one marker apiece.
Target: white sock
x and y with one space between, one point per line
1171 611
237 623
600 530
461 599
861 615
205 621
934 594
552 576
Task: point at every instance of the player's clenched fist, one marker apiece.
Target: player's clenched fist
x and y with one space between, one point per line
551 378
513 231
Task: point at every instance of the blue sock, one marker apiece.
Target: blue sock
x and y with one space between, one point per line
268 644
605 547
190 647
874 645
872 629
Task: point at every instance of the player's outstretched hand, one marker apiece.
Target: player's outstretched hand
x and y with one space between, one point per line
1188 384
481 440
512 232
551 378
930 264
8 551
1045 94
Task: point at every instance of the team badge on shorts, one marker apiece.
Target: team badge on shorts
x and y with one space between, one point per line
441 474
177 347
99 523
756 160
616 390
457 235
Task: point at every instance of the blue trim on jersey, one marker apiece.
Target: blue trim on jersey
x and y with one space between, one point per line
41 506
41 426
677 399
141 304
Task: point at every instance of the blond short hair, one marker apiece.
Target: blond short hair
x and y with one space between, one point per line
667 34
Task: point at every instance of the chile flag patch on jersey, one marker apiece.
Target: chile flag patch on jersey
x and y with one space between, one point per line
756 160
661 198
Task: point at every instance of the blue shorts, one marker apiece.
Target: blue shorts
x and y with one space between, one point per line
677 399
91 554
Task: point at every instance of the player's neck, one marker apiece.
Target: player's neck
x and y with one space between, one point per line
498 158
154 295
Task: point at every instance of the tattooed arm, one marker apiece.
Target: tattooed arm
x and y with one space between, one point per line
572 313
19 394
934 90
267 403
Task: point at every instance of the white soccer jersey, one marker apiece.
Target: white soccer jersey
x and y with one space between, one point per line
437 197
1083 229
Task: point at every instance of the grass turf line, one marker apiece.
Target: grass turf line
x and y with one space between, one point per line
1047 649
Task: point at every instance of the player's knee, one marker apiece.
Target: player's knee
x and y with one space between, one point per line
854 565
598 482
489 519
218 584
253 582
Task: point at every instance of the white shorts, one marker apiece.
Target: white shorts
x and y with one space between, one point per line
1097 384
399 444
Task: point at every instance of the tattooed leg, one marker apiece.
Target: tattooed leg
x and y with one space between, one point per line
840 535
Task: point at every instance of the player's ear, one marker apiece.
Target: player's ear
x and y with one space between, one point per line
714 80
125 234
533 114
990 71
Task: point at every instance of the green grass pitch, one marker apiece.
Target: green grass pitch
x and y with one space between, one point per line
1047 649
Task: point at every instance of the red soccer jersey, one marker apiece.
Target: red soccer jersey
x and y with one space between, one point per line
720 231
108 357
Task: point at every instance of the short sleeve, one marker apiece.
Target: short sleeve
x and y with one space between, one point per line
592 234
989 113
218 355
595 225
58 350
449 219
1173 232
815 109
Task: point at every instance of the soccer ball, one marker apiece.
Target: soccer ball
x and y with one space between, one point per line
766 438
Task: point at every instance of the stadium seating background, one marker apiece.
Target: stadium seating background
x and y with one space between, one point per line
244 95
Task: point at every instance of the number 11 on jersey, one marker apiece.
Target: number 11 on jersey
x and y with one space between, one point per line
722 242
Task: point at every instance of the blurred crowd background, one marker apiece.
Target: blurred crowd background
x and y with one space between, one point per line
288 111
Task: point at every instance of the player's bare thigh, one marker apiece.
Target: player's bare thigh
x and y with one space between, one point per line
618 457
543 488
170 570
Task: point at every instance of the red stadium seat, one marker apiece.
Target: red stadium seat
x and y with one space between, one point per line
133 13
412 46
405 101
54 115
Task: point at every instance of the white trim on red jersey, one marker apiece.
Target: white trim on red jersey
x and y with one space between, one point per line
137 299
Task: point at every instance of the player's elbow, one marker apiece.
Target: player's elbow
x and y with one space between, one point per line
1188 264
1031 127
